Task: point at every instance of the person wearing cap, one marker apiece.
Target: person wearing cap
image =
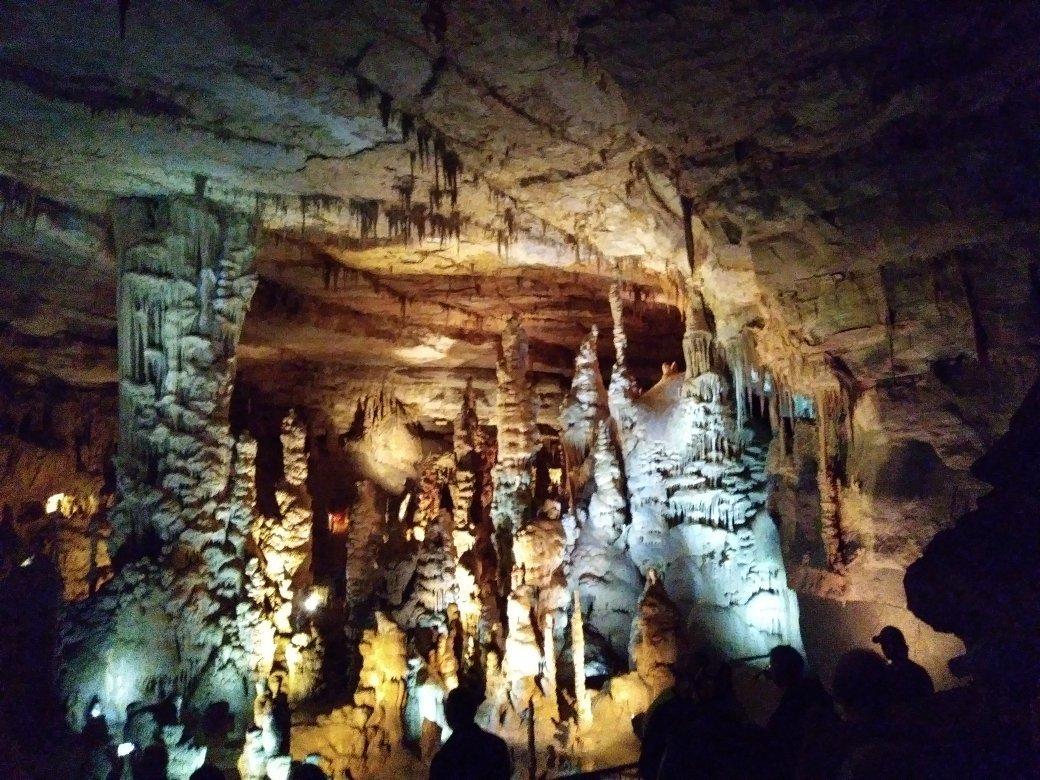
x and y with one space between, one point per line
905 680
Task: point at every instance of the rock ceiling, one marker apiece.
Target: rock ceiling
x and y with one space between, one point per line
861 178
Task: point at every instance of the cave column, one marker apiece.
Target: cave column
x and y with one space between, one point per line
828 408
186 277
185 281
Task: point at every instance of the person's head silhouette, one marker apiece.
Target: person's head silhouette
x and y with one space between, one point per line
786 666
893 643
460 708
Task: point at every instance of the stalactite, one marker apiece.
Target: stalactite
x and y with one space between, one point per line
367 214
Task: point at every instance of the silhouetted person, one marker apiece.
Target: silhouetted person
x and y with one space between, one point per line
698 732
864 743
207 772
95 728
803 704
152 763
470 752
905 681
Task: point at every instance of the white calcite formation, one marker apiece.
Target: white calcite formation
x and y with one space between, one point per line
584 407
697 488
602 570
172 615
623 387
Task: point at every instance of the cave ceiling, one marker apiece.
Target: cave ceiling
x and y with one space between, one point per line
423 170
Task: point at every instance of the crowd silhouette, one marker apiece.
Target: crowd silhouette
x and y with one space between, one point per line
882 719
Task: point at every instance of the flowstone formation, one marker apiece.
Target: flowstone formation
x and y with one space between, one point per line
697 484
171 617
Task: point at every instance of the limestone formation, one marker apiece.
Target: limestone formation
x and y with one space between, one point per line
185 284
816 253
366 738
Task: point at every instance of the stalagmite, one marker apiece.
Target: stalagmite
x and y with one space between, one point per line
584 407
601 568
827 411
366 738
362 569
464 483
433 585
582 708
278 576
655 646
518 442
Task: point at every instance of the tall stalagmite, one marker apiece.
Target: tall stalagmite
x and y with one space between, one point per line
518 442
278 575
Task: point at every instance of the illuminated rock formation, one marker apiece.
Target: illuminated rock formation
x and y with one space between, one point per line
655 646
366 738
185 283
584 407
601 570
278 575
517 444
623 388
841 253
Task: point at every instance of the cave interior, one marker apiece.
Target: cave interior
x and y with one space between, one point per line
350 353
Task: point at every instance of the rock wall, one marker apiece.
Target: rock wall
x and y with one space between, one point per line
172 617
